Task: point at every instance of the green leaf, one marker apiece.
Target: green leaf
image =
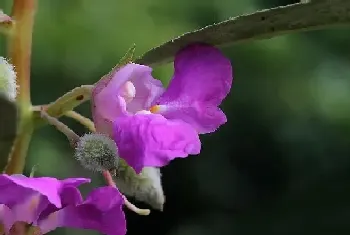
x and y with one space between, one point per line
317 14
8 127
32 172
127 58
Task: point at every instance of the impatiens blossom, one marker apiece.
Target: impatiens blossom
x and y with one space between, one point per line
151 125
47 203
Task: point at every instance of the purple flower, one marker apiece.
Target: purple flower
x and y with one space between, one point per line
150 125
48 203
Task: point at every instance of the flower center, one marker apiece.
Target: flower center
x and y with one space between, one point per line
128 91
154 109
157 108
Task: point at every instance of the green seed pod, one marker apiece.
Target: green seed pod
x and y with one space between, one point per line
145 187
97 152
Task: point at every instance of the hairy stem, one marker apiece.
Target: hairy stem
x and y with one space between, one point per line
20 48
70 134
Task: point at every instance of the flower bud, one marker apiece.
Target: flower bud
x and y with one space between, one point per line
97 152
6 23
8 84
145 187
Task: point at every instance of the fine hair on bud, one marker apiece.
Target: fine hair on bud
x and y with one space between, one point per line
97 152
145 187
8 84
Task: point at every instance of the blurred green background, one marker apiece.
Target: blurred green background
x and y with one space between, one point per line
281 165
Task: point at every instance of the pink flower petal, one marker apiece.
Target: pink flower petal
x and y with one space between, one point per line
109 101
152 140
19 188
202 79
7 218
101 211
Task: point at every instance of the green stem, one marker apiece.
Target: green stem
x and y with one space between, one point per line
82 120
19 151
20 48
69 101
62 105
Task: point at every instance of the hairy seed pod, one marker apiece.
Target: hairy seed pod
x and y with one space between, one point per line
97 152
8 84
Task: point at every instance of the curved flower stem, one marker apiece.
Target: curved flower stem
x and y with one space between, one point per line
135 209
20 48
109 179
81 119
71 135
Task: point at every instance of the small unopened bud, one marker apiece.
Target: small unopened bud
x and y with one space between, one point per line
7 79
145 187
5 22
97 152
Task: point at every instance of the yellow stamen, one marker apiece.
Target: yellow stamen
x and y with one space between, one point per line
154 109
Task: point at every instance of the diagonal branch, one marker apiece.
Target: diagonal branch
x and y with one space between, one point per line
70 134
69 101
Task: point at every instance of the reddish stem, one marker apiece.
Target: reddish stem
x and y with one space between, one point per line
20 48
108 177
20 45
